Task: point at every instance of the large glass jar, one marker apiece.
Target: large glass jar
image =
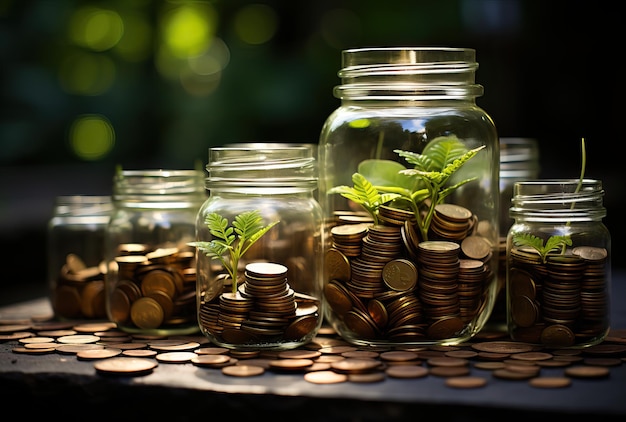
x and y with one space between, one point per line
409 169
558 263
75 237
151 280
264 291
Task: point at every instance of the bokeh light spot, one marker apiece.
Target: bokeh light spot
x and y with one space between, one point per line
189 29
256 24
96 28
91 137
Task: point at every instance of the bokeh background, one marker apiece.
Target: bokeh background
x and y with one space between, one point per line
89 85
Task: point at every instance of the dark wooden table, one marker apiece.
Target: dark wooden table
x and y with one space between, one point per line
62 386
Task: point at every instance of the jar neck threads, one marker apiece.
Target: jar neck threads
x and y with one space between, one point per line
144 188
421 73
559 200
250 169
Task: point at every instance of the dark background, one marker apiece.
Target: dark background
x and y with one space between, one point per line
552 70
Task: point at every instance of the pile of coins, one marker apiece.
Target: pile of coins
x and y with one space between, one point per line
561 302
264 309
154 288
79 290
327 359
384 283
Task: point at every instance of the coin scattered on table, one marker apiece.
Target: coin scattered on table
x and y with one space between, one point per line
325 377
243 370
550 382
125 365
175 357
465 382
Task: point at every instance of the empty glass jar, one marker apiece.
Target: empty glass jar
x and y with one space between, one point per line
151 279
558 263
409 169
259 260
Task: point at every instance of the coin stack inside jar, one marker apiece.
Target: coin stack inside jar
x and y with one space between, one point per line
397 288
155 288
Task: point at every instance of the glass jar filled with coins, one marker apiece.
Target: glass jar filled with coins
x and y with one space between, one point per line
409 189
75 249
151 280
558 263
259 260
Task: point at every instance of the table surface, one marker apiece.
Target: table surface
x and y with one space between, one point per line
63 383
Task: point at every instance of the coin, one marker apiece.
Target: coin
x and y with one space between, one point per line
587 371
103 353
125 365
550 382
466 382
325 377
406 371
243 370
175 357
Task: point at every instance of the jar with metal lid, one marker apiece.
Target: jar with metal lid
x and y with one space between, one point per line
259 260
558 263
75 237
151 279
409 171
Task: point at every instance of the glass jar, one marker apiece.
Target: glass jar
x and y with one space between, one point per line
269 296
519 160
409 169
558 263
151 280
76 268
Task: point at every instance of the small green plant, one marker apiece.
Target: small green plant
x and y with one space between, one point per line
379 182
553 242
232 242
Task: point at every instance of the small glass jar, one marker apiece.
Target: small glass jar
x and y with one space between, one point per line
151 280
269 297
558 263
409 154
519 160
76 268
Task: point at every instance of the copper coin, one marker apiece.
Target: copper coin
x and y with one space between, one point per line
125 365
325 377
550 382
587 371
406 371
243 370
466 382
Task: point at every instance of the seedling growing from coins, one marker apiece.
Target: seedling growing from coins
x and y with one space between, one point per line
378 182
232 241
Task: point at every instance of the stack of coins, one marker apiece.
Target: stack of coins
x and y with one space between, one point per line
155 288
264 308
402 289
559 302
79 290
